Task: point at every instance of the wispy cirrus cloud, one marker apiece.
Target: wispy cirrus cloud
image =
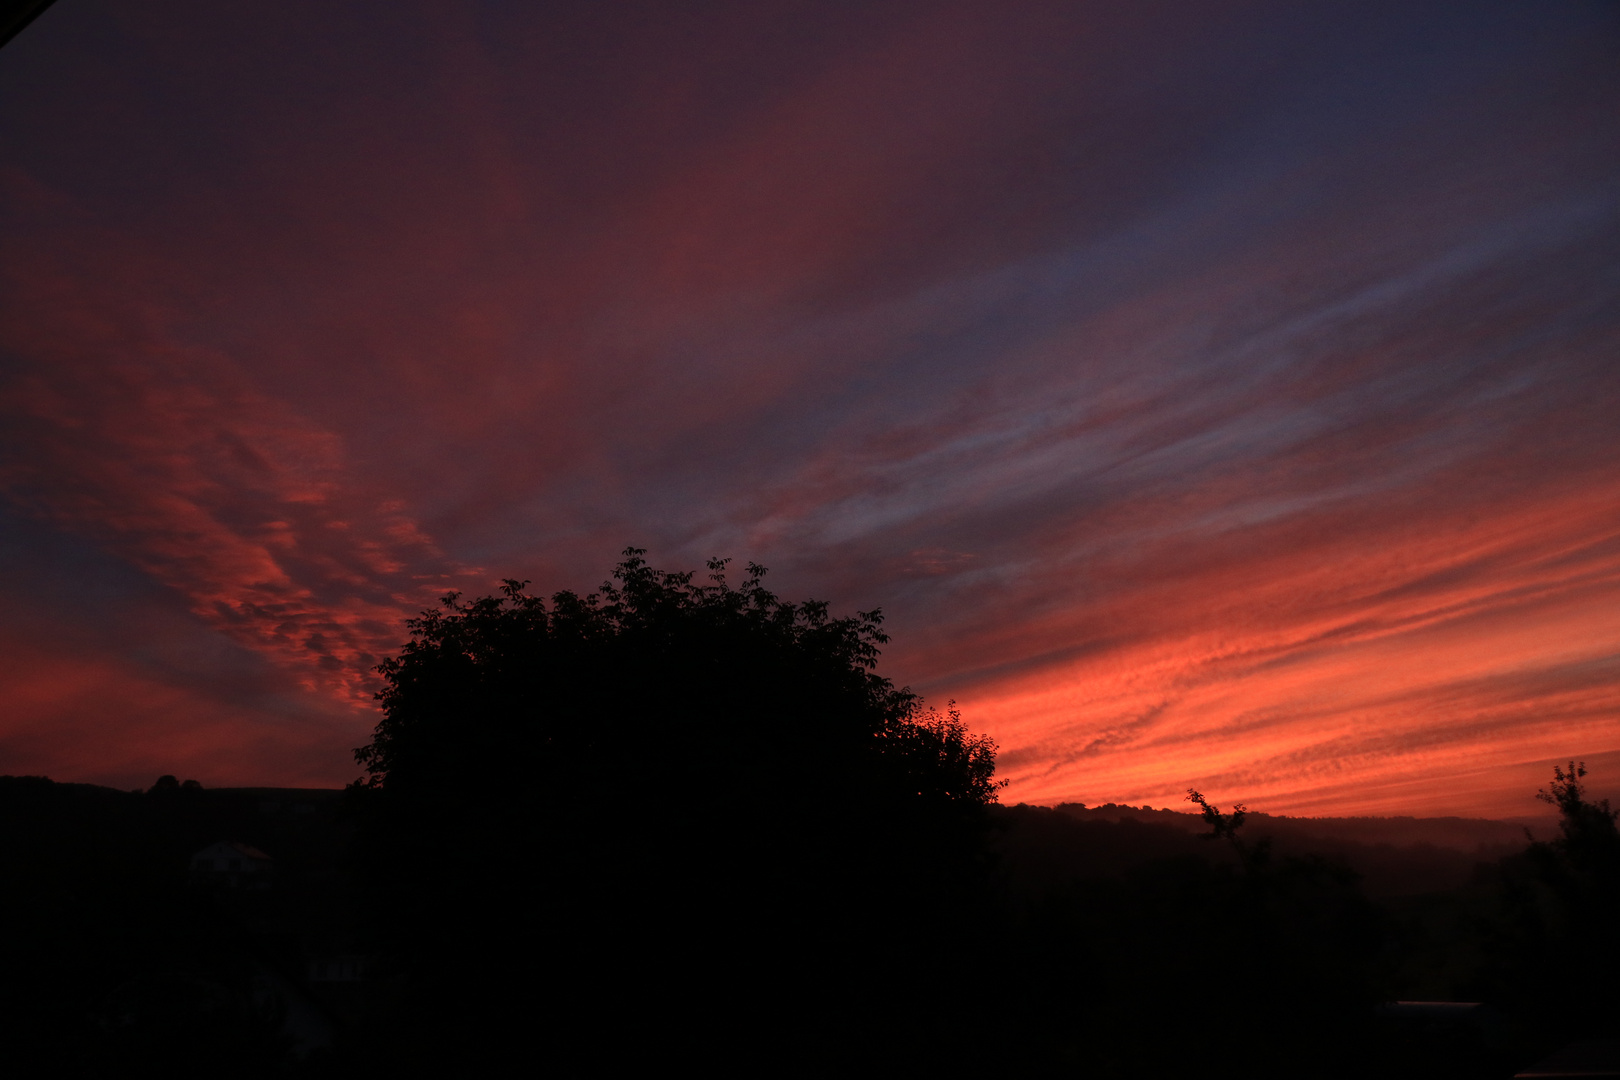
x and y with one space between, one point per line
1221 398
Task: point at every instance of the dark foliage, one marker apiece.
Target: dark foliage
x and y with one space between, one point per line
1589 846
1113 945
1131 949
1554 941
114 959
693 809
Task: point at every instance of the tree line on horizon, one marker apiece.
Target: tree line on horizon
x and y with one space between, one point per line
684 822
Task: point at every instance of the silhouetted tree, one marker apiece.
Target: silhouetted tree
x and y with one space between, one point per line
1555 942
665 785
1226 826
1590 843
1582 868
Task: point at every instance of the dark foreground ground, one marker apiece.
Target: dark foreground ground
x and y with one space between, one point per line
1110 941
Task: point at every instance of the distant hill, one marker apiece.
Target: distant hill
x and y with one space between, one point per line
1401 856
1040 846
1473 835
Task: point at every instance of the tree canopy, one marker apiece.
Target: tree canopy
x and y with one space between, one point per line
688 772
655 669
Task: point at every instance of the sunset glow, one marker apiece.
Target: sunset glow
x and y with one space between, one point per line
1222 397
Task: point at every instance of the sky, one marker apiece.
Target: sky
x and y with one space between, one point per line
1219 395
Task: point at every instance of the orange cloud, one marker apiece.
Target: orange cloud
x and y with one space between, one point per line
1306 674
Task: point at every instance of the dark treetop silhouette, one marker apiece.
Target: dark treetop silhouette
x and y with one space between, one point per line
688 648
1589 839
689 808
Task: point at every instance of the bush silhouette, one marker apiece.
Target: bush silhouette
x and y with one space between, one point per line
694 806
